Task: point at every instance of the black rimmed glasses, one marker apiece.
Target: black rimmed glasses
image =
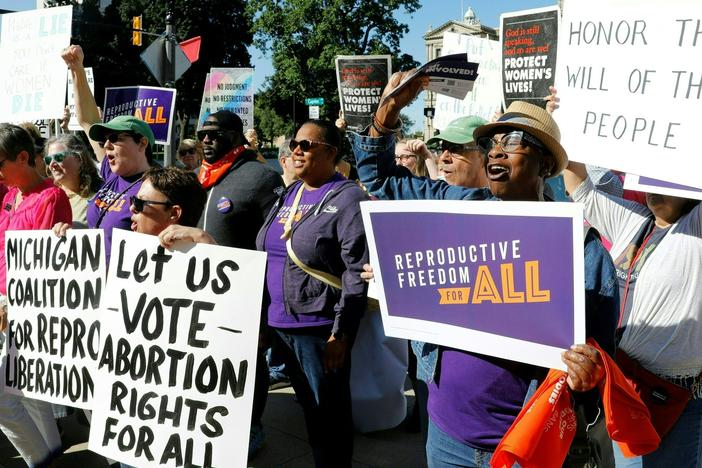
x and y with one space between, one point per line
511 142
306 145
140 203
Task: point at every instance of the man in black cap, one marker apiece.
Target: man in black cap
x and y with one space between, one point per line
240 190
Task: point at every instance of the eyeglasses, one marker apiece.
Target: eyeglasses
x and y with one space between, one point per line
211 134
140 203
183 152
58 157
306 145
405 157
511 142
456 148
115 137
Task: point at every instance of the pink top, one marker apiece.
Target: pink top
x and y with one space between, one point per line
43 207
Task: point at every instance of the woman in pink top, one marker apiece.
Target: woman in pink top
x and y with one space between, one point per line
32 202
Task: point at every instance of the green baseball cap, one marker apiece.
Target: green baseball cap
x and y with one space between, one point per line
459 131
122 123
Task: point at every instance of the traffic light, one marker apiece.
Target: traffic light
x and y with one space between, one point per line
136 30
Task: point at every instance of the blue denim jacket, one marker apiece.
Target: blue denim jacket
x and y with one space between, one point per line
375 162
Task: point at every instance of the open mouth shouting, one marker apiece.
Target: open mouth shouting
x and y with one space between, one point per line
497 172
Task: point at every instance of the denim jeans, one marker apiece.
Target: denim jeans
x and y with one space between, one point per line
29 424
680 448
325 397
443 451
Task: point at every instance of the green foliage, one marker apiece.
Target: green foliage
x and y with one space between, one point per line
106 41
268 122
305 36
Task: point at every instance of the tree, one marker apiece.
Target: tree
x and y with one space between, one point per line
106 39
305 36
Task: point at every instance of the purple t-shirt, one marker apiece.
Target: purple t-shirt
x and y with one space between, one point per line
275 247
477 398
117 215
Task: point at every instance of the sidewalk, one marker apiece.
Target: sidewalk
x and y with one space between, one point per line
286 442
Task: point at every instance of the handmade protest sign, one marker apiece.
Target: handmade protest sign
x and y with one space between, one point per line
54 288
73 123
155 106
451 75
631 88
231 89
486 96
529 48
647 184
504 279
174 385
33 78
361 80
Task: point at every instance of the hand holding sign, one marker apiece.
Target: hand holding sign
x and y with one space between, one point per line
388 112
585 367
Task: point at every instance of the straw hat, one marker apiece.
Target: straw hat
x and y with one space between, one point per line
536 121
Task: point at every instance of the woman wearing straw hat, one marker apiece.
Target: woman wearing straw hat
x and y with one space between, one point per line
522 149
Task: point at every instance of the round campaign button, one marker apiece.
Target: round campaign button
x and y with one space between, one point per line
224 205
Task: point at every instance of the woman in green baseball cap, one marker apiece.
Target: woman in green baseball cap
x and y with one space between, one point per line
123 147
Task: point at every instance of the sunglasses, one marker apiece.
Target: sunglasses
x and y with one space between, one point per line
140 203
183 152
511 142
115 137
306 145
456 148
58 157
211 134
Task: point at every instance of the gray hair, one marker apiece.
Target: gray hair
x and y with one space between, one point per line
284 149
89 178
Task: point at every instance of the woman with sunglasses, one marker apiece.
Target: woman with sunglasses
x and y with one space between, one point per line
190 154
522 149
71 165
32 203
316 249
168 205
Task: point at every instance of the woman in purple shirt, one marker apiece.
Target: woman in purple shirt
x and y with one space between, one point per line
315 308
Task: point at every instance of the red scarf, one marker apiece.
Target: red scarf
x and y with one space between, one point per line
211 173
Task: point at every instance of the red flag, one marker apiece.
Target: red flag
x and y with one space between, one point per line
191 48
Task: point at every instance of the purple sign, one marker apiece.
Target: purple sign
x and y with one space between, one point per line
660 183
155 106
511 276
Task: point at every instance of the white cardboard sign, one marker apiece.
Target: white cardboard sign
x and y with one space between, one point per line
54 288
33 78
73 123
630 85
646 184
178 354
486 96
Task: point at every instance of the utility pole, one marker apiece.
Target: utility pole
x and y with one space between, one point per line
169 74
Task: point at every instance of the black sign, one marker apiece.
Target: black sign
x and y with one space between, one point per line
529 46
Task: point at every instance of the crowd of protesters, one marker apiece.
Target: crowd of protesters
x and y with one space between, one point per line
641 300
